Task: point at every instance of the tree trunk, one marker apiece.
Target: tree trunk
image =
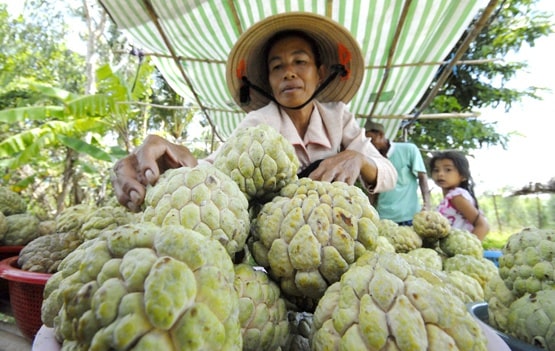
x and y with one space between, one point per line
497 213
95 30
67 178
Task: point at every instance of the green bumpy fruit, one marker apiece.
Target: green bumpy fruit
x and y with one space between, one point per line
381 303
481 269
403 238
3 225
105 217
262 310
308 237
260 160
531 318
461 242
73 217
426 257
203 199
22 228
528 261
430 225
11 202
145 287
45 253
499 298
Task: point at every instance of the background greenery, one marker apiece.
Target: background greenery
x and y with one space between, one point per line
508 214
70 108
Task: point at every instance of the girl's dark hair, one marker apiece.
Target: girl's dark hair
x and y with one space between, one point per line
462 166
287 34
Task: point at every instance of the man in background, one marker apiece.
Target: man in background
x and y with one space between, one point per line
401 203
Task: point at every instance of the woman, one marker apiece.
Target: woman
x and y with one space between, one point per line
295 72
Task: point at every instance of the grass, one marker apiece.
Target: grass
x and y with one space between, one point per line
495 240
4 318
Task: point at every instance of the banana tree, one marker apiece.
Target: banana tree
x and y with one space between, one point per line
70 134
73 123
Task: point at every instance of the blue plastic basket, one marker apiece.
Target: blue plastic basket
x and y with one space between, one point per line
493 255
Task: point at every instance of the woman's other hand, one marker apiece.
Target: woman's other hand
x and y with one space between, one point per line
346 167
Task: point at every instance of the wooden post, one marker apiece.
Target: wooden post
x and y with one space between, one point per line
539 210
497 213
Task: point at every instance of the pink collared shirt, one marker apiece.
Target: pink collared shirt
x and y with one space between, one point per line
332 129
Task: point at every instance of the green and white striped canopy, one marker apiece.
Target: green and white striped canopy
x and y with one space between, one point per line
404 44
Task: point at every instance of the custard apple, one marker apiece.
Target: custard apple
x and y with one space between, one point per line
3 225
480 269
430 225
464 287
499 298
463 242
144 287
469 288
308 238
403 238
262 310
47 227
427 258
11 202
300 331
22 228
353 198
383 245
531 318
201 198
260 160
72 218
528 261
45 253
105 217
380 304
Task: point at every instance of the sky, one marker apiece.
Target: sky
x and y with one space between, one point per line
530 153
528 157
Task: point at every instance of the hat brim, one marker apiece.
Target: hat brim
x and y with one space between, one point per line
328 34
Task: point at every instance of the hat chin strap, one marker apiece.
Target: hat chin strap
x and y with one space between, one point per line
244 91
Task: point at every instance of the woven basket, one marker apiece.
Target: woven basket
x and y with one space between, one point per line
26 290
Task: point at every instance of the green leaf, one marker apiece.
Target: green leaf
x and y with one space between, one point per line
22 148
88 168
86 148
56 93
91 105
35 113
16 144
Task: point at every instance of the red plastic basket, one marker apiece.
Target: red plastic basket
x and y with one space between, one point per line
26 294
5 252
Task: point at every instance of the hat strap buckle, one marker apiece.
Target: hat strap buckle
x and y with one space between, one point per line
244 92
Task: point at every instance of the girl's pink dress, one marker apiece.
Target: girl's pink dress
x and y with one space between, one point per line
448 211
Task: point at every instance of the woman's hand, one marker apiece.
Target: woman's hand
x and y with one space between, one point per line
153 157
346 167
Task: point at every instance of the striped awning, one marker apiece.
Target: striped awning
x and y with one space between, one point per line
404 43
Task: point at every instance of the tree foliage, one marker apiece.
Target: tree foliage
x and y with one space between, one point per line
58 145
47 59
471 87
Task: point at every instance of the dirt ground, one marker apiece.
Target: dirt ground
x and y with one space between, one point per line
11 338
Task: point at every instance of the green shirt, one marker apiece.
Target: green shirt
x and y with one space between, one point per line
401 203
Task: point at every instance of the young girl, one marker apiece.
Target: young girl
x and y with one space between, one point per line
451 172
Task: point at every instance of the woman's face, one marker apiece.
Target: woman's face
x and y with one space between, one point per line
293 74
